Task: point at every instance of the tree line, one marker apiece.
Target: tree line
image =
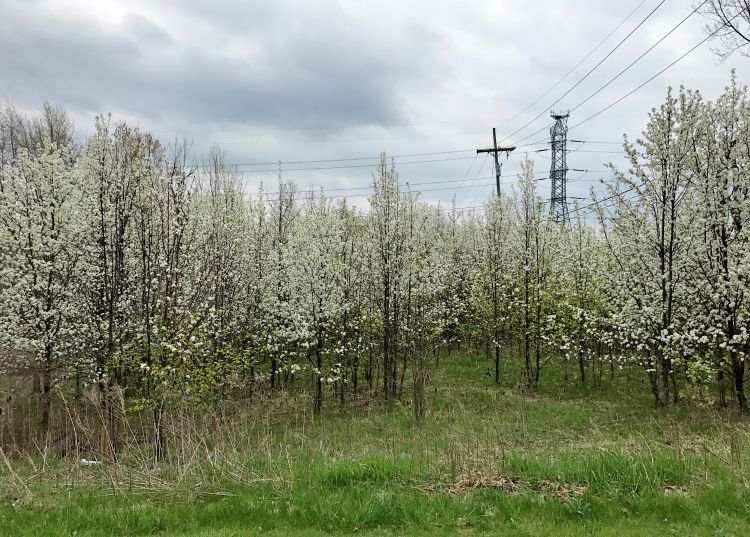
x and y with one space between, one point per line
124 265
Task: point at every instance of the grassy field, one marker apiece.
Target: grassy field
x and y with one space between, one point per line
566 460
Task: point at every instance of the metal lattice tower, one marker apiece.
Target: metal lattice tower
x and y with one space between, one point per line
558 172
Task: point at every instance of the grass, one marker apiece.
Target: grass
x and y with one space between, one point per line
566 460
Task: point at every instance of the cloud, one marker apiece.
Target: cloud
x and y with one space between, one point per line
144 31
311 73
295 80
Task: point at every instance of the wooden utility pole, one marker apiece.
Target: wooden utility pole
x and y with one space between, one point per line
495 150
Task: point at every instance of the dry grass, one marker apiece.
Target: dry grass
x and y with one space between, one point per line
483 441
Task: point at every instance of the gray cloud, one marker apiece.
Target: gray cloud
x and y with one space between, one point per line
297 80
145 31
320 74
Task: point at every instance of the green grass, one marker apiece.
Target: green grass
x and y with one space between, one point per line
565 460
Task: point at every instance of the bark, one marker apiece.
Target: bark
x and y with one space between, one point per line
46 394
420 378
318 406
738 374
497 364
721 381
160 442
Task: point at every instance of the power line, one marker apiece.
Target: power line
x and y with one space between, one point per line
471 166
618 101
590 71
208 167
594 205
578 151
369 165
546 127
644 83
409 184
590 142
352 159
349 159
406 186
618 75
479 171
639 58
369 187
463 179
576 66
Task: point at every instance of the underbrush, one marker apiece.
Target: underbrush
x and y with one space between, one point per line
558 461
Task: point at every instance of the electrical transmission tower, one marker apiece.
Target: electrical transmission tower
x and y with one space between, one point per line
558 172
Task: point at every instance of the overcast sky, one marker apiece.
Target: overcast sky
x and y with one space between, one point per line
312 80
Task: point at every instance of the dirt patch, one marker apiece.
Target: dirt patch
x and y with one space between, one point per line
559 490
672 490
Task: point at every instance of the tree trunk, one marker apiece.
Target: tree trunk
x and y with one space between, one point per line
355 370
160 442
318 404
419 388
738 373
581 365
403 376
497 364
527 332
273 373
721 382
666 365
46 393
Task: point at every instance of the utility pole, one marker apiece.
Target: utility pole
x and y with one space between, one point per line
495 150
558 173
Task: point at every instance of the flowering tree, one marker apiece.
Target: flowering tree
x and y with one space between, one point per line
495 283
40 262
316 306
730 22
389 233
532 263
719 271
125 263
648 232
576 307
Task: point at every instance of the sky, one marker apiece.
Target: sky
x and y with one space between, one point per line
335 81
